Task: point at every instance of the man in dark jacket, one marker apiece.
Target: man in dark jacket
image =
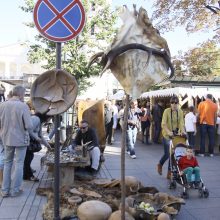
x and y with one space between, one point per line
88 135
157 113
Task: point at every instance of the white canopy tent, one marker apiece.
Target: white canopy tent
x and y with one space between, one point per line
182 91
119 95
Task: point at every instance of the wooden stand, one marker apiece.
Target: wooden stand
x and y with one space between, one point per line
67 170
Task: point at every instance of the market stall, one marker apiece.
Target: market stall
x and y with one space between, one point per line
187 97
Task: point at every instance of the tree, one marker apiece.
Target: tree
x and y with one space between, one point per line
201 61
194 15
96 35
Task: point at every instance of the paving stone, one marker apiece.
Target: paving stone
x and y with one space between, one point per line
10 212
29 206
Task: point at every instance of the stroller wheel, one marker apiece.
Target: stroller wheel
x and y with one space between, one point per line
172 185
206 193
200 193
184 195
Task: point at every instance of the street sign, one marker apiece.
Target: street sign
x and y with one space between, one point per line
59 20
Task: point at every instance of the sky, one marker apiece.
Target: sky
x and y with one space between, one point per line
13 29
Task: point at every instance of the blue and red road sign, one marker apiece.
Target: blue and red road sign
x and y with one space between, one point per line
59 20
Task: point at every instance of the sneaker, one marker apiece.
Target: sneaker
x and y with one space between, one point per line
128 152
102 158
33 178
15 194
211 155
4 195
65 150
133 156
201 155
159 169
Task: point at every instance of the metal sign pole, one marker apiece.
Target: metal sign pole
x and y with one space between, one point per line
58 28
123 145
57 149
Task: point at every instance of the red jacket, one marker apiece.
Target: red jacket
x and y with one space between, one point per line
185 163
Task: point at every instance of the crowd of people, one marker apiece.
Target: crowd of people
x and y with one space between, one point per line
139 119
18 126
20 131
167 122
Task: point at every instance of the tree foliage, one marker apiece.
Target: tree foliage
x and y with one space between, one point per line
192 14
76 52
201 62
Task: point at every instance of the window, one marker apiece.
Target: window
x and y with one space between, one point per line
2 67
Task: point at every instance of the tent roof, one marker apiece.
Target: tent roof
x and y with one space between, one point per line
119 95
194 92
196 81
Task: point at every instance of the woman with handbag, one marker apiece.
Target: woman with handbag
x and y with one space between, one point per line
36 139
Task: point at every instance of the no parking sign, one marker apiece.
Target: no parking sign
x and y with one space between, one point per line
59 20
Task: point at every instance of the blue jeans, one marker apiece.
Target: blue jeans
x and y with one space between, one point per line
131 139
166 148
210 130
19 153
189 171
145 126
1 157
191 139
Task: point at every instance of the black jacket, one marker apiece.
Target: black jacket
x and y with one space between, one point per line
157 113
90 135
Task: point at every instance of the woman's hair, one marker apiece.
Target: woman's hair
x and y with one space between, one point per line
191 108
209 96
189 147
84 121
174 99
133 101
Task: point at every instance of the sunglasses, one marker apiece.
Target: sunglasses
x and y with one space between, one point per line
174 103
83 127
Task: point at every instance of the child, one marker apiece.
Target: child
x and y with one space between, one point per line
190 125
188 165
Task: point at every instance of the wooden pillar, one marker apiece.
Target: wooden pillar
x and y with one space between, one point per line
66 176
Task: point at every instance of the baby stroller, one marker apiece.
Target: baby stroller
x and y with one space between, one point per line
178 146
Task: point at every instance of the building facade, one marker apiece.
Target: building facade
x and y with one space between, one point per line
15 68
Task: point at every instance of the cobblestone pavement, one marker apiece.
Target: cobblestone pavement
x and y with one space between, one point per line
29 205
